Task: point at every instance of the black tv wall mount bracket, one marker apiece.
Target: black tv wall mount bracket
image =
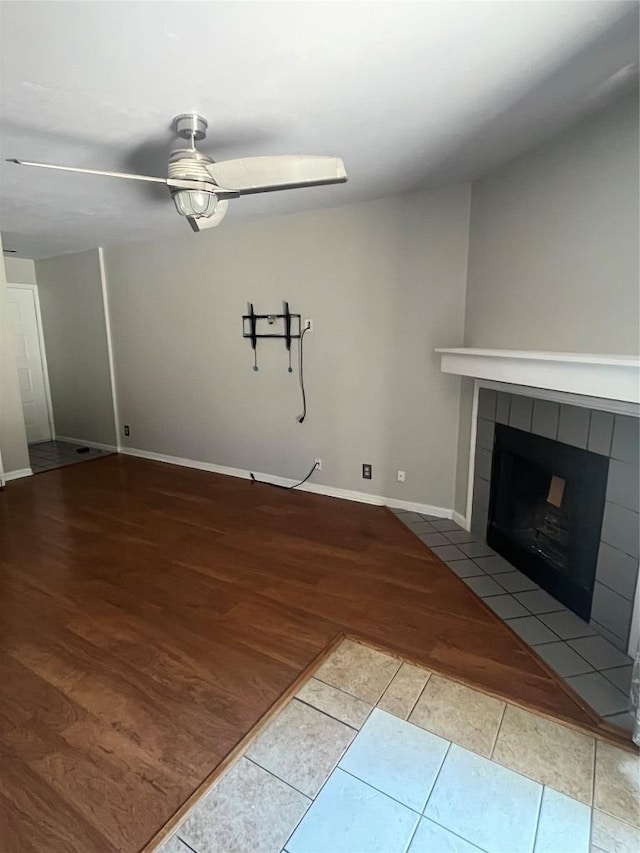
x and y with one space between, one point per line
291 329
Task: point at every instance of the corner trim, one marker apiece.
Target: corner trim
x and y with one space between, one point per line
107 326
314 488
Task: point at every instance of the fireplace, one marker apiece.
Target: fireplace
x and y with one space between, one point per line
545 512
590 402
543 530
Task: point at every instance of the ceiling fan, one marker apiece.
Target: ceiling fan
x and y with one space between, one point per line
201 188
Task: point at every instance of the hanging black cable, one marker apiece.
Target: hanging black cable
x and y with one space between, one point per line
277 485
301 377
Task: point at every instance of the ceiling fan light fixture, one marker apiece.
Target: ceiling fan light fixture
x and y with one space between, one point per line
201 187
195 203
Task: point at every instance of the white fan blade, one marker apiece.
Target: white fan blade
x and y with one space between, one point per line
267 174
204 222
90 171
173 183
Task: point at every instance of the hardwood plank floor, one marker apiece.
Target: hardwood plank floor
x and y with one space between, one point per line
150 615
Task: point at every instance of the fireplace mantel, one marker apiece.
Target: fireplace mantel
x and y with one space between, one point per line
608 377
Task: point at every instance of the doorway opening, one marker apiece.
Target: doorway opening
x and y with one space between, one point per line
59 336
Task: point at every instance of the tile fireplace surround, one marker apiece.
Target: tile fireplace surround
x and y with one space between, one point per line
613 436
585 400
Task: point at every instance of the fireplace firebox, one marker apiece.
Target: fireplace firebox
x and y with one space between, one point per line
545 512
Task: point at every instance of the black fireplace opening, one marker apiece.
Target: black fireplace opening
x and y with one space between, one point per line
545 512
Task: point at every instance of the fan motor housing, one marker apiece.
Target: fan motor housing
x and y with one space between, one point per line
189 164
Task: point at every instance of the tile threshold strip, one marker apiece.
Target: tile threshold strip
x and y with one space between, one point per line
238 751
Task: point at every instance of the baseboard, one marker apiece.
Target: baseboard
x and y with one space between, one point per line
17 474
84 443
314 488
460 519
414 506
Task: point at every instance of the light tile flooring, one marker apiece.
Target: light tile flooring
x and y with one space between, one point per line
598 671
375 755
48 455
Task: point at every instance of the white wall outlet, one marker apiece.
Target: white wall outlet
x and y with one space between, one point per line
307 323
401 476
318 464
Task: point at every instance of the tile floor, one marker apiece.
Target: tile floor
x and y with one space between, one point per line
375 755
594 668
48 455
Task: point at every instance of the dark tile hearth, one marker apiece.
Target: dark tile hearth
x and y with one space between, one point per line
597 670
532 630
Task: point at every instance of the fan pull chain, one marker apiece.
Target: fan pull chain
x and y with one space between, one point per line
290 369
255 359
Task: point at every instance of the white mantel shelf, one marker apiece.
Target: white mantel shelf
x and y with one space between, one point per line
607 377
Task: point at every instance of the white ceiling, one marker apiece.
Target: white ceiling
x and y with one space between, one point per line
410 94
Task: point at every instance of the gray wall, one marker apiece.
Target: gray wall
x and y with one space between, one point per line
384 282
73 323
13 437
553 252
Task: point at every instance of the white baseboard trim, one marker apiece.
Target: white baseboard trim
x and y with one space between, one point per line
460 519
83 443
414 506
17 474
314 488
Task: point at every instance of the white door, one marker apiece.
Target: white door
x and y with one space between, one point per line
29 361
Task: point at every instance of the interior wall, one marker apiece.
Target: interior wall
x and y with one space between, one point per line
553 252
384 282
75 337
553 249
14 453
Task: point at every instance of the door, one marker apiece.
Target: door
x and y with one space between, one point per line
29 361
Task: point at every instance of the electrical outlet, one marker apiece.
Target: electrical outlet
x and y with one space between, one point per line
401 476
366 471
307 323
126 429
318 463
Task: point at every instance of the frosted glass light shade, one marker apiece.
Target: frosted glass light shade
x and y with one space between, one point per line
195 203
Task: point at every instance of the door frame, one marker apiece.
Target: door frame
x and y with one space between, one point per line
43 352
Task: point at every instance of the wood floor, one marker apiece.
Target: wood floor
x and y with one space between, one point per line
150 615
